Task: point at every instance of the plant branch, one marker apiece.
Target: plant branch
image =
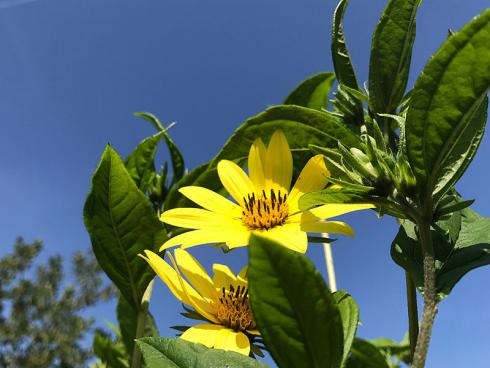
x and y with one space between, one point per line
327 249
430 297
413 315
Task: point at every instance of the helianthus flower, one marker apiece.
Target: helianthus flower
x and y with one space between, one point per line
264 203
222 300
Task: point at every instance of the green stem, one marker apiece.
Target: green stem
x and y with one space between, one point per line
413 315
140 325
430 297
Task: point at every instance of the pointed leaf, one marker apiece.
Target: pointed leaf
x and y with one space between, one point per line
391 53
141 162
442 127
121 223
300 329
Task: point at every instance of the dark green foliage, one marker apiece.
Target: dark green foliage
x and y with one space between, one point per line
42 316
296 314
121 223
178 353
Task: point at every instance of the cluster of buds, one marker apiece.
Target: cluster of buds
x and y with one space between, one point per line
373 171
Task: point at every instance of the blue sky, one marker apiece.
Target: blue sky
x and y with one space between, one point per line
72 72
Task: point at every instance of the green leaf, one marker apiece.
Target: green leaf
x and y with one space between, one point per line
121 223
140 163
178 353
349 313
444 120
127 317
461 244
328 195
302 126
312 92
340 54
111 353
391 53
366 355
300 329
178 165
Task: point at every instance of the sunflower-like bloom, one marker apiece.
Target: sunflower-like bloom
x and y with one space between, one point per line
222 300
264 203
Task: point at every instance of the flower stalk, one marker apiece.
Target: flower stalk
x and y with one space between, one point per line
140 325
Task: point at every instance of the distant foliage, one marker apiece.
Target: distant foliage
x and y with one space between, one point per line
42 321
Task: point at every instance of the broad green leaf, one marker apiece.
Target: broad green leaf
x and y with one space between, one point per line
127 317
312 92
178 353
391 53
349 313
340 54
141 162
295 312
121 223
461 244
178 166
110 353
174 198
366 355
302 126
442 127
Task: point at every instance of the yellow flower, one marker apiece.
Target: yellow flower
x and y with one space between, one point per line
264 204
222 300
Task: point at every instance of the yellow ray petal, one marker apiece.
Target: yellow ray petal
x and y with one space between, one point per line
241 279
193 218
230 340
256 162
313 177
196 274
167 274
234 235
201 306
205 334
223 276
288 235
335 227
235 181
211 201
278 163
327 211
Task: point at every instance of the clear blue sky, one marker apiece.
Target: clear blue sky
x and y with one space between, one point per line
72 72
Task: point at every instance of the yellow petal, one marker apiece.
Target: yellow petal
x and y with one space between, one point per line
223 276
193 218
256 162
278 163
211 201
205 334
235 181
230 340
167 274
196 274
327 211
313 177
287 235
241 279
233 234
201 306
335 227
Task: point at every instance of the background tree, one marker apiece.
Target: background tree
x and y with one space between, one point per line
42 321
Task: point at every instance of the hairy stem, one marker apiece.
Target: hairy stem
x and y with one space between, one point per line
413 314
430 297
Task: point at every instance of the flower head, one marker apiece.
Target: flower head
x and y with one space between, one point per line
264 203
222 300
